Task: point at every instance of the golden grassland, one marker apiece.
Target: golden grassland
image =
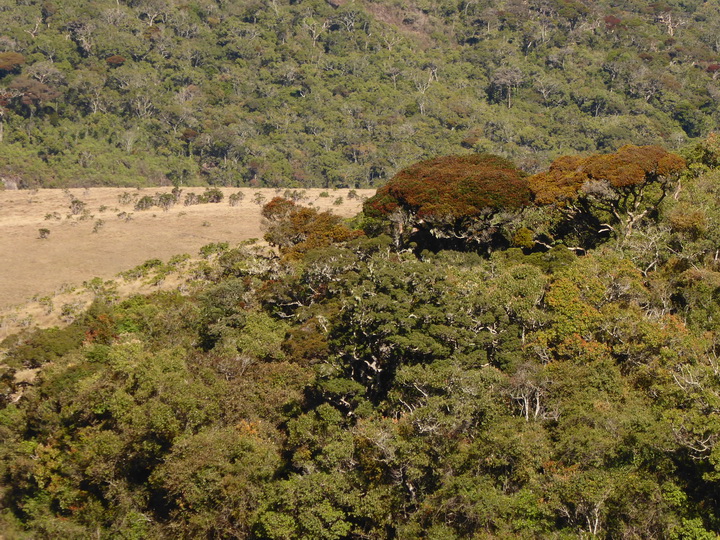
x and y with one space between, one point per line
38 275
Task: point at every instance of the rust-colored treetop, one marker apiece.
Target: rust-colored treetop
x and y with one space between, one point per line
453 187
629 167
10 61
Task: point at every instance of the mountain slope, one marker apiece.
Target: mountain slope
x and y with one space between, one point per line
314 93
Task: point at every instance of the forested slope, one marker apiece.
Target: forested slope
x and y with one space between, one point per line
342 93
534 381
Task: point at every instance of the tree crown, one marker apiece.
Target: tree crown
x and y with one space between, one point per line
454 187
631 166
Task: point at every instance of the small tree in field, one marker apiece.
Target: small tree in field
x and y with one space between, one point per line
145 203
236 198
191 199
450 201
43 233
166 201
258 198
212 195
76 206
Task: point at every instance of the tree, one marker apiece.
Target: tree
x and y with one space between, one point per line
212 195
236 198
10 61
296 229
6 96
615 191
504 81
32 93
166 200
77 206
450 201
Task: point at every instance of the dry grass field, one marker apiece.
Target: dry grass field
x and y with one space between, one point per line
110 235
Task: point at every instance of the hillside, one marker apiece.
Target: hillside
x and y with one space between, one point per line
360 269
345 93
110 234
433 368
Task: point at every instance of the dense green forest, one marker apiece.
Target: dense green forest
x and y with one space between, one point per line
492 355
518 337
315 93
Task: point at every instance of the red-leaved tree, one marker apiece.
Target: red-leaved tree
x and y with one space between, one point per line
451 201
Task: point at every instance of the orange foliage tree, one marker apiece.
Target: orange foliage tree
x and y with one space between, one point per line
296 229
621 189
32 94
450 201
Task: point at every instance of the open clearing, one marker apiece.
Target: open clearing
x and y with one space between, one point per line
104 240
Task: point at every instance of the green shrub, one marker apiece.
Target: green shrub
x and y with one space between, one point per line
212 195
236 198
42 346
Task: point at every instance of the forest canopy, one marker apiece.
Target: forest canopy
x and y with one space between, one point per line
331 94
518 337
346 386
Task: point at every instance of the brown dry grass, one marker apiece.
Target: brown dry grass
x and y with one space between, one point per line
73 253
